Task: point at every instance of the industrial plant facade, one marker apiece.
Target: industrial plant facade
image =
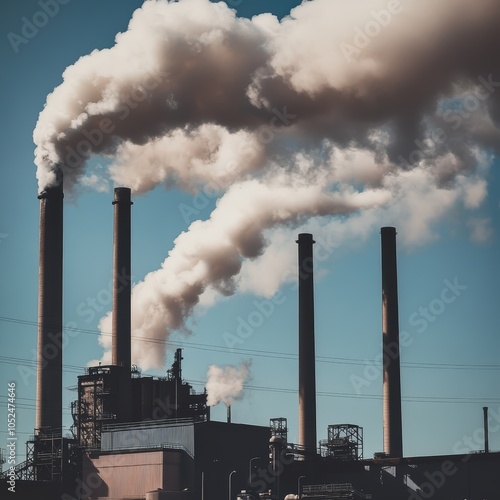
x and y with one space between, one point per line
151 438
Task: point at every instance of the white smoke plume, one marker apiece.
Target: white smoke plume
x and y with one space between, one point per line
210 253
368 111
226 383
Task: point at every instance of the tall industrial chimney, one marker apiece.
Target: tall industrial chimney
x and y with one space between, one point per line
50 285
393 430
121 327
307 368
486 431
121 279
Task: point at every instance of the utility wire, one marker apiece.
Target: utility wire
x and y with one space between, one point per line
270 354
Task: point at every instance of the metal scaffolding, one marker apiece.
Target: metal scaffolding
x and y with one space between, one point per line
345 442
279 428
98 404
103 390
49 457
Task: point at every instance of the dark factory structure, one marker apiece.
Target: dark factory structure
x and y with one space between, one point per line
139 437
117 393
100 396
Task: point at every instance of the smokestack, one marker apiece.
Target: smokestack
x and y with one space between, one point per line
486 431
393 433
50 284
228 414
121 338
307 367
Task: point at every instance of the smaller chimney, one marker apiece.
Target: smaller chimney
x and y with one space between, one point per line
486 431
228 414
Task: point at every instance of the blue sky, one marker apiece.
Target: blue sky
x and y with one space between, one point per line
450 370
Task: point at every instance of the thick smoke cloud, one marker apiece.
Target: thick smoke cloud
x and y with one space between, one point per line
210 253
372 111
226 383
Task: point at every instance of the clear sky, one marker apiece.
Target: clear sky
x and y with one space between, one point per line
450 363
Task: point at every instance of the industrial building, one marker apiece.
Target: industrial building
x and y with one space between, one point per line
149 438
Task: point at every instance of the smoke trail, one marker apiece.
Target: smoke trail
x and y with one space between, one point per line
184 64
211 252
352 110
226 383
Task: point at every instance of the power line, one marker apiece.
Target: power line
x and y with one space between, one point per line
270 354
284 390
423 399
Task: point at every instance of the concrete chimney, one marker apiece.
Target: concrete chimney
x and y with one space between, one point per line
50 286
393 430
307 367
121 337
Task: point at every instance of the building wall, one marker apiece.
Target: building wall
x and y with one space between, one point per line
453 477
211 449
221 448
148 435
132 475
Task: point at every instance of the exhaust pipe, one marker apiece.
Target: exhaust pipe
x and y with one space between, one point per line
393 431
307 367
50 297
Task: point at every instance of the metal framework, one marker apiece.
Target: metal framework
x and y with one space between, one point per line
103 390
49 457
344 491
279 428
97 404
345 442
